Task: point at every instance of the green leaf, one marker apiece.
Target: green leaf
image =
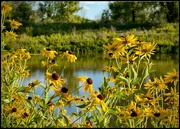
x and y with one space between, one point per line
105 82
74 114
46 99
112 111
145 71
134 73
6 100
83 105
29 104
151 71
120 95
135 81
129 52
66 119
138 91
102 121
138 122
54 96
124 79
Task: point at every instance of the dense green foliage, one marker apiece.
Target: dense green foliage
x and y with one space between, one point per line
138 11
76 39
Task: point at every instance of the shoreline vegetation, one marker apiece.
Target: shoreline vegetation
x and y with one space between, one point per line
72 37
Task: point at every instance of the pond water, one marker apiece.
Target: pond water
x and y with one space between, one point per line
90 66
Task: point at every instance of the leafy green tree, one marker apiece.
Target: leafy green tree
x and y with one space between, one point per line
22 11
64 10
127 11
171 10
58 11
105 17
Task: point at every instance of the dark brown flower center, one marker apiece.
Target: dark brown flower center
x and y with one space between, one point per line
69 52
64 89
148 98
89 123
133 114
89 81
50 103
55 76
139 41
100 96
124 38
110 54
53 61
157 114
25 114
14 110
48 49
131 61
29 98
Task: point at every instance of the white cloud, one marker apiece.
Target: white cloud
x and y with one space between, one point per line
86 8
94 2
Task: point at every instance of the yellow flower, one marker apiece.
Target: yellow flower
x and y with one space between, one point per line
14 24
157 112
126 40
172 77
146 49
131 59
5 8
80 100
109 68
144 97
172 118
87 124
158 84
129 91
132 111
50 106
87 85
51 63
99 99
13 109
63 91
115 50
49 53
172 97
11 34
55 79
34 84
71 58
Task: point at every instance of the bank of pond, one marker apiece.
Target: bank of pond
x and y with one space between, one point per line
92 40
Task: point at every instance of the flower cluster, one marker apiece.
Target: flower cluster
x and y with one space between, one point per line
130 100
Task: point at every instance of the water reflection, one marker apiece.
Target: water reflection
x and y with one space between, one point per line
90 66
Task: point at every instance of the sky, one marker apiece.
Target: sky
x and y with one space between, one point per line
92 9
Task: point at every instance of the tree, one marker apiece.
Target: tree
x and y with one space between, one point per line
22 10
170 9
105 16
128 11
65 10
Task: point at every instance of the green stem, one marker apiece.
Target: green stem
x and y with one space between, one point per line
117 62
80 116
76 89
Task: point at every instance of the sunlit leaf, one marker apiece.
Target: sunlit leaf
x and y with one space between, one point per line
83 105
66 119
29 104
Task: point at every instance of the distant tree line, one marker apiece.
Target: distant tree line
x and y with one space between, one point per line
119 12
